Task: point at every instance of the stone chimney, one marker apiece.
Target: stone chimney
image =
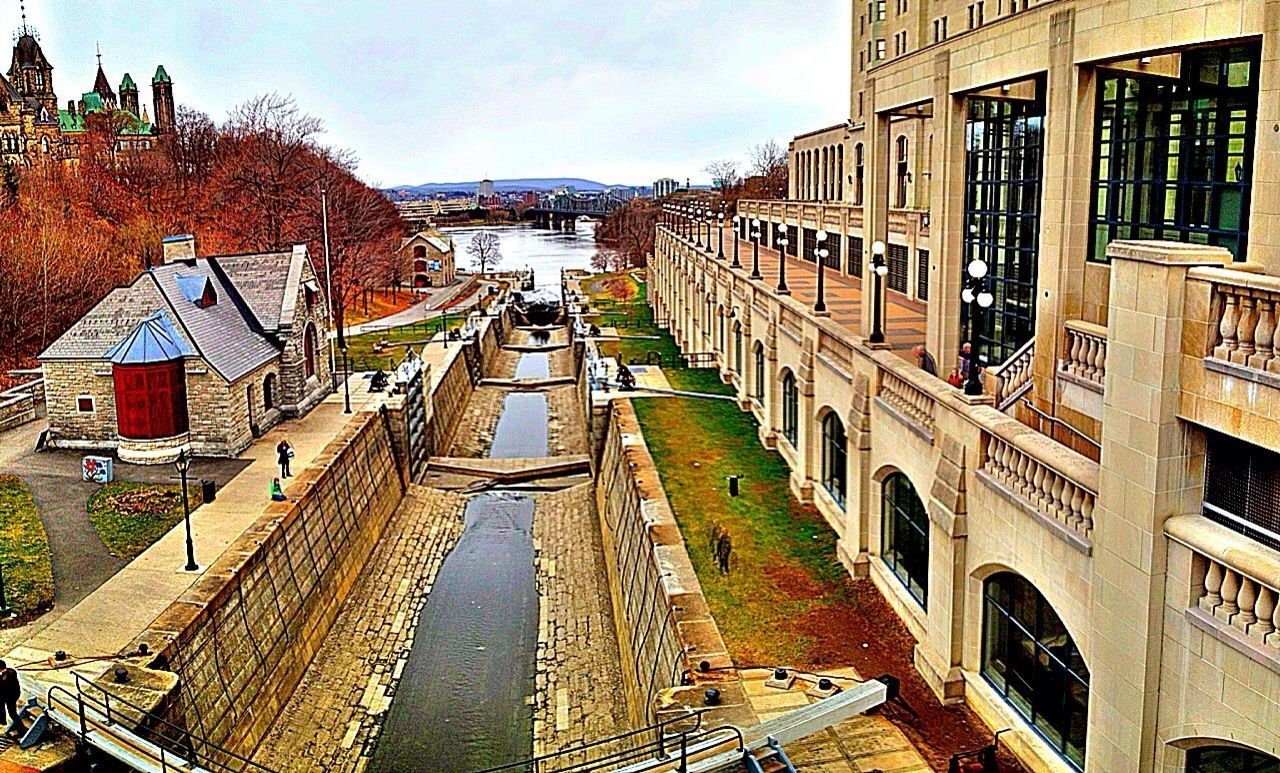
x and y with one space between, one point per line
179 247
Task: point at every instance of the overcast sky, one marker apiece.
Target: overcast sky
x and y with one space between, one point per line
618 91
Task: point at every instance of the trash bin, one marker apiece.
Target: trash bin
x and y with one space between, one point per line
208 490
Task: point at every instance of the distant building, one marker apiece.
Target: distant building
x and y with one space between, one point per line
484 194
430 258
196 354
665 187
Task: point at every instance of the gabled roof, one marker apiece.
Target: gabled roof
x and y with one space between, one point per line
154 339
260 279
102 86
27 52
437 241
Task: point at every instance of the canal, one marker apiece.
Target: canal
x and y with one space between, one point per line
523 246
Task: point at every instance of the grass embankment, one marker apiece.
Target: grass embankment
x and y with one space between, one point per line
131 516
361 348
24 550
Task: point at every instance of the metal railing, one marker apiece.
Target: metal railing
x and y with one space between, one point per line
97 721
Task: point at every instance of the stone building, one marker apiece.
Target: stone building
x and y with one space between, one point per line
198 353
1088 552
429 259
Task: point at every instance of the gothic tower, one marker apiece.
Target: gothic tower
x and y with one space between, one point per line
129 95
30 72
162 100
103 87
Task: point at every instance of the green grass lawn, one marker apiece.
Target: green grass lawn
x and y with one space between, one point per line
131 516
784 584
24 550
361 348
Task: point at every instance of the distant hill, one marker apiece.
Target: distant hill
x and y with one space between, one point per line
516 184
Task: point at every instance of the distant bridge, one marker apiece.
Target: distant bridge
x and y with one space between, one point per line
560 210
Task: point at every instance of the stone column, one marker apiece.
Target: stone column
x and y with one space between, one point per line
946 219
852 547
1264 243
806 430
1151 472
876 211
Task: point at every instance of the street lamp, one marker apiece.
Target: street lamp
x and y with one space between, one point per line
719 235
710 217
782 259
737 226
879 268
183 464
346 381
976 294
820 253
755 249
697 217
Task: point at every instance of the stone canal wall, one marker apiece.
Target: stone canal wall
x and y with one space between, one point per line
461 372
671 648
242 637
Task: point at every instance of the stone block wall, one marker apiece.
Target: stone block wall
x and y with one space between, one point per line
243 636
67 380
671 647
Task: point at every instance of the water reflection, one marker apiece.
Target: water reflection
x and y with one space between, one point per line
533 365
522 428
524 246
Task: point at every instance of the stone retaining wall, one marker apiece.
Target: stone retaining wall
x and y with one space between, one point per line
242 637
671 648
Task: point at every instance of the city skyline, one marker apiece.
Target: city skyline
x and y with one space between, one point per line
608 93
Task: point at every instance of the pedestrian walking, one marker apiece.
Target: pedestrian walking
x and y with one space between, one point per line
926 361
10 691
284 452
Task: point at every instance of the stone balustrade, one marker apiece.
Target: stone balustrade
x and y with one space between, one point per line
1066 499
1086 351
1012 378
1247 306
908 401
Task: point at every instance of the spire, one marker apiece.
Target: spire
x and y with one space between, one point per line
161 76
127 83
24 29
103 86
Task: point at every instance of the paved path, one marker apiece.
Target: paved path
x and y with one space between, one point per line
420 312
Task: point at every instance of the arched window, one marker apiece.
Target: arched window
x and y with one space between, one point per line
737 348
419 252
309 346
826 173
269 391
858 170
790 409
723 341
840 172
1032 661
902 172
835 457
1216 759
904 535
757 390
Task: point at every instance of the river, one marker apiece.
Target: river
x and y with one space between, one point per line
523 246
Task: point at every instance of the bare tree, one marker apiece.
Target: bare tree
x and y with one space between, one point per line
486 250
769 164
725 173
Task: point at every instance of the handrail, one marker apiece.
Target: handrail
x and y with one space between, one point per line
1060 423
658 744
150 720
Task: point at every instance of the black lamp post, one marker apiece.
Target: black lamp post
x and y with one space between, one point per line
737 226
878 269
782 260
183 464
755 250
820 254
697 216
346 382
976 294
719 235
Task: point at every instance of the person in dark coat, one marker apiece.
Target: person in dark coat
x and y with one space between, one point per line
10 691
926 361
283 454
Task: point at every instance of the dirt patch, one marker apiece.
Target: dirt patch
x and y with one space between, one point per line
794 583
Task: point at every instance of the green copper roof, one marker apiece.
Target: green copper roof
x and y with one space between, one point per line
74 122
69 122
161 76
92 102
128 83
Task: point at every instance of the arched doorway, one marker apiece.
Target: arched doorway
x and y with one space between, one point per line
309 346
835 457
904 535
790 409
1031 660
1220 759
269 391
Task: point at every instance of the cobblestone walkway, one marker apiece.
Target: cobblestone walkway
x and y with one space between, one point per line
333 720
579 695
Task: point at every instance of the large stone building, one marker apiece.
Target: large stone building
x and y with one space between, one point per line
198 353
429 259
32 127
1087 552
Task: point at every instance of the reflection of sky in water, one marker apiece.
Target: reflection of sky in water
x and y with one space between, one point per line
546 252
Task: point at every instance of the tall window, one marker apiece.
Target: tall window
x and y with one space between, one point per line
840 172
903 174
1032 661
904 535
1242 488
757 385
922 274
737 349
309 346
1218 759
858 168
855 256
1004 143
835 457
723 340
1172 158
898 258
790 409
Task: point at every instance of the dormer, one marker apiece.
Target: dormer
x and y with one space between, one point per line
198 290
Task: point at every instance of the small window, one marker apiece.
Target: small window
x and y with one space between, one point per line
85 404
880 48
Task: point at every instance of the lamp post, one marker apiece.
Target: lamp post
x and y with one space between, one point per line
782 260
755 249
710 217
820 254
719 235
183 464
346 381
879 268
976 294
737 226
697 217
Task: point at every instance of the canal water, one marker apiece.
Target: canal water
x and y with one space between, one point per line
534 365
522 428
523 246
462 703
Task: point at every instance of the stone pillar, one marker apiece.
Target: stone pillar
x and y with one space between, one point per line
876 211
946 219
1264 243
1152 472
852 547
806 430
